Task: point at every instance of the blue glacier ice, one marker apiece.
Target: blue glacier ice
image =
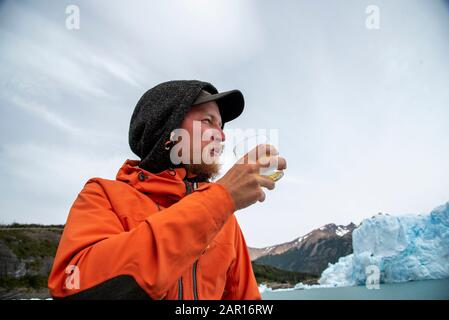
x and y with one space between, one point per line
403 248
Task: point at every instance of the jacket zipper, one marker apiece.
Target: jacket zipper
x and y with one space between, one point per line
189 189
180 279
180 288
195 289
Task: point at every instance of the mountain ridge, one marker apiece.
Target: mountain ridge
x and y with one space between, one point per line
310 253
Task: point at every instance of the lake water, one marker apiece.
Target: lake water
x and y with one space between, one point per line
414 290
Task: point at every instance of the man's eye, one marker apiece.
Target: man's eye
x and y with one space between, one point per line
207 120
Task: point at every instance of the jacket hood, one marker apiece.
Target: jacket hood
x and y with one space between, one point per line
159 111
165 188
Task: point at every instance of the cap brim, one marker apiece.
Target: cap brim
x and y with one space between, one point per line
230 103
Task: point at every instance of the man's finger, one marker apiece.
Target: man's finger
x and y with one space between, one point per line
260 151
262 196
266 150
282 163
276 162
266 182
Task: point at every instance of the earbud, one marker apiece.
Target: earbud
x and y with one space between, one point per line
169 144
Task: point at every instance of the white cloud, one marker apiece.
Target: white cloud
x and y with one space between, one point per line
46 179
43 112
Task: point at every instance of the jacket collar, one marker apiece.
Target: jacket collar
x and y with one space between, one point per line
165 188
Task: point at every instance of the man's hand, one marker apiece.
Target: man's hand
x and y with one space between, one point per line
243 180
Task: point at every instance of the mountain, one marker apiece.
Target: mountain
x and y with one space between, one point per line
310 253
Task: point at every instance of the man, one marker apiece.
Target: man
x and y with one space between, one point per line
161 230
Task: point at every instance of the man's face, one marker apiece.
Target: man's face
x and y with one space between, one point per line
205 119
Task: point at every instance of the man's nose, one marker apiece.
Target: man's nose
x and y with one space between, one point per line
219 135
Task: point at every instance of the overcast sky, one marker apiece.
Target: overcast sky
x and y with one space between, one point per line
362 114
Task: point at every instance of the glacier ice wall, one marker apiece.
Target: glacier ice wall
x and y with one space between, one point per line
404 248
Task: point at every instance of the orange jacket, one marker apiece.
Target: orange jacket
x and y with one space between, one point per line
154 233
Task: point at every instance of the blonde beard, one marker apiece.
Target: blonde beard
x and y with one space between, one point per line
203 171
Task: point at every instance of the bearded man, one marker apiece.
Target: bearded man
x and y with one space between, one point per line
162 229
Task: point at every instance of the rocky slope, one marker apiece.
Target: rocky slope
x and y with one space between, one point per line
310 253
26 258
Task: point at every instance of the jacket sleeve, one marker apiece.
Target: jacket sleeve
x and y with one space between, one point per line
95 244
241 283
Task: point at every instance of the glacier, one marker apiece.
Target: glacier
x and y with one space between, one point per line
402 248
